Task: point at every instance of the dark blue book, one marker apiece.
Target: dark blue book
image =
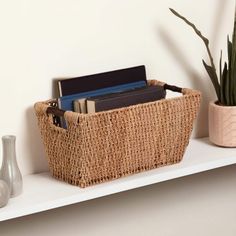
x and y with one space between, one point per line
102 80
66 102
125 99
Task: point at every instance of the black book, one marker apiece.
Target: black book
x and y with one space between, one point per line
124 99
101 80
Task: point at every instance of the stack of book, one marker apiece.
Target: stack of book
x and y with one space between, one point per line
108 90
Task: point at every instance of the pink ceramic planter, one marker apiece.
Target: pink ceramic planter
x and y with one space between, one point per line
222 125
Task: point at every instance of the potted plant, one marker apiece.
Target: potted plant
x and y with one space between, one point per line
222 113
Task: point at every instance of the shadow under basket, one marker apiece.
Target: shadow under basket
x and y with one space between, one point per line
96 148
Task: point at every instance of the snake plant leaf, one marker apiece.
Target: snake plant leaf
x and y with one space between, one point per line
228 88
197 31
230 46
232 69
233 75
214 79
231 82
220 66
232 58
234 30
225 79
231 55
222 98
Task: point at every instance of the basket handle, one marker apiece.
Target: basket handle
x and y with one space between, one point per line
55 111
172 88
71 118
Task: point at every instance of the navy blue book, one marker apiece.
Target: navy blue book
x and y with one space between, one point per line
102 80
66 102
125 99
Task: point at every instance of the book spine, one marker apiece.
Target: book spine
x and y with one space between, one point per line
77 106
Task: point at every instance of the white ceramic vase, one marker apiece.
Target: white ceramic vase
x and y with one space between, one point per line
10 171
4 193
222 125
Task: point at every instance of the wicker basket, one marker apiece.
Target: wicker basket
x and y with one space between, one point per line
108 145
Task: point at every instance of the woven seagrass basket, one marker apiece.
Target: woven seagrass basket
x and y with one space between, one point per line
108 145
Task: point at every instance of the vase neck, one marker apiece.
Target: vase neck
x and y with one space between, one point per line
9 152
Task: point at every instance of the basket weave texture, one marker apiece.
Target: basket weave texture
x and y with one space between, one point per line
99 147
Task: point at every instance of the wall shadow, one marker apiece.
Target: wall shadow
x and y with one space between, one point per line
37 161
36 156
195 79
217 23
202 84
33 144
55 89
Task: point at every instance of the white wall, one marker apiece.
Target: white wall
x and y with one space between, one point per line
46 39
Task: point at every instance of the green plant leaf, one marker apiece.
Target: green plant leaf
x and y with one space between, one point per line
214 79
231 82
225 84
230 47
234 30
233 77
232 59
222 98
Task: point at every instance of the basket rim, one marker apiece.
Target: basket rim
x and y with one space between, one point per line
186 92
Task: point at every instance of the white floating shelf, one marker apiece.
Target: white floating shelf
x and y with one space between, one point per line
42 192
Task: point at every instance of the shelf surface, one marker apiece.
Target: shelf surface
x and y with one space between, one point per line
42 192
